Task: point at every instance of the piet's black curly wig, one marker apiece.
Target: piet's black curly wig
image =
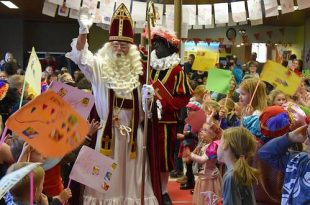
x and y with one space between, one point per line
172 48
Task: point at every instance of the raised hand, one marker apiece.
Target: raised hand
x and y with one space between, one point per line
86 20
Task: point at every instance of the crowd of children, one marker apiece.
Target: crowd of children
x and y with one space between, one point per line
253 147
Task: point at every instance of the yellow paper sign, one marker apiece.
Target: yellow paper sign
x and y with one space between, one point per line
205 59
280 77
33 74
49 124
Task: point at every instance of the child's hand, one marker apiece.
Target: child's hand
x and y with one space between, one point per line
299 135
43 200
8 139
248 110
180 136
209 117
25 154
94 126
64 195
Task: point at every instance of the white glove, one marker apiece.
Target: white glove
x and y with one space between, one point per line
147 93
159 109
85 20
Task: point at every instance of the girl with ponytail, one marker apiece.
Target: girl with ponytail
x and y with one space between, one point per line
236 146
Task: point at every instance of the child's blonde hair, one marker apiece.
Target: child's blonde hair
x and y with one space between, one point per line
242 145
260 99
273 94
230 105
200 90
22 188
212 104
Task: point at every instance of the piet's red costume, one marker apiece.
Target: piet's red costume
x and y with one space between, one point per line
162 133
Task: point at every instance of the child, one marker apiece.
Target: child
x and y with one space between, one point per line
227 114
236 146
21 191
252 73
277 97
209 178
246 91
295 165
188 144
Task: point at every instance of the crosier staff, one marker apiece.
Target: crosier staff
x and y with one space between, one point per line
150 18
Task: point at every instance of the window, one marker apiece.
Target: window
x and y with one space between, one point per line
261 50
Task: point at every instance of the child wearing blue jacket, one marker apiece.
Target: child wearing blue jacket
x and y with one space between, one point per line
295 165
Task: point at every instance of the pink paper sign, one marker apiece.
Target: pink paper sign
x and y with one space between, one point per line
81 101
196 120
93 169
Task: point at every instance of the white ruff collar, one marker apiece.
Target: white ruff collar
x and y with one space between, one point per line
121 75
164 63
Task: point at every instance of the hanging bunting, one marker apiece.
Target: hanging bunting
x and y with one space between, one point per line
269 34
255 10
74 14
212 23
49 9
271 8
303 4
221 13
256 22
205 14
63 10
138 11
231 22
282 31
256 35
91 5
189 14
58 2
159 9
170 16
287 6
238 11
73 4
106 10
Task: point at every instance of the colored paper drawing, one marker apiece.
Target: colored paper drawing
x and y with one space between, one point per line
81 101
44 126
93 169
9 180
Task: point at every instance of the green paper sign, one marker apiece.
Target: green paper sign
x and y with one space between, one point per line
219 80
306 73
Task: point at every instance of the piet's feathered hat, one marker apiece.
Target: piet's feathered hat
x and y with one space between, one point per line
166 34
274 121
121 28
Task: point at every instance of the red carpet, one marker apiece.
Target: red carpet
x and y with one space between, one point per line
178 196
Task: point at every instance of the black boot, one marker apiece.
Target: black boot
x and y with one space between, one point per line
166 199
187 185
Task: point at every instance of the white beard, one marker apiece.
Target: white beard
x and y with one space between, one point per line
121 73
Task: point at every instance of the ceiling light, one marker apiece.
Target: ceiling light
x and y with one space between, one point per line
238 46
9 4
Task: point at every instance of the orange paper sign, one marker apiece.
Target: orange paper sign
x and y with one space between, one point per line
49 124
